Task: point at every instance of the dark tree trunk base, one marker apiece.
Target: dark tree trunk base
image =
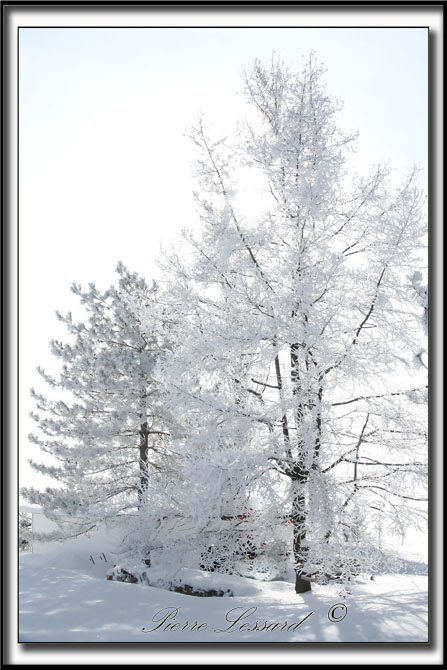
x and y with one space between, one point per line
302 585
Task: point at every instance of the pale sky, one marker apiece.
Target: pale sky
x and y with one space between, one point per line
104 164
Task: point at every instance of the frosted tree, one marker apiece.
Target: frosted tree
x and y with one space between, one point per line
302 318
102 422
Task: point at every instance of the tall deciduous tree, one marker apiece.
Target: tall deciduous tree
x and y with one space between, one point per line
103 423
301 317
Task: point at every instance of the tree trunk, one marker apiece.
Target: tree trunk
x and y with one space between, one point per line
144 446
302 582
299 476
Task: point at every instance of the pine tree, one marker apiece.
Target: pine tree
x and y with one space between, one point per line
102 420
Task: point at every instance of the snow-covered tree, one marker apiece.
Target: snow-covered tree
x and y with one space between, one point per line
102 421
300 318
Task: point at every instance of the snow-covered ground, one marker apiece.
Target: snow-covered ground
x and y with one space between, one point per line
57 604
